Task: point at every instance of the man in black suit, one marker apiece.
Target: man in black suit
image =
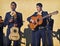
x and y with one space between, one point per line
10 21
41 30
50 27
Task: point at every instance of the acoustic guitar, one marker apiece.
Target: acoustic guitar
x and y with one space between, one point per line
14 35
38 20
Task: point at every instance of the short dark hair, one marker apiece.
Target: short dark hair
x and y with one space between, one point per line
39 4
14 3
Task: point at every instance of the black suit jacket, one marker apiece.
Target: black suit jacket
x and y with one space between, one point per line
19 20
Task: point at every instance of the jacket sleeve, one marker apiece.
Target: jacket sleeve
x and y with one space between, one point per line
20 20
46 13
6 22
47 20
28 19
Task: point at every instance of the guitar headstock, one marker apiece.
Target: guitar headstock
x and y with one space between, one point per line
53 13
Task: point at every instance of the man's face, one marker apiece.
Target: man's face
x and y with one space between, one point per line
38 8
13 7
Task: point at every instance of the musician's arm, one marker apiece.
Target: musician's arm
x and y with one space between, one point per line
29 18
6 22
20 20
47 19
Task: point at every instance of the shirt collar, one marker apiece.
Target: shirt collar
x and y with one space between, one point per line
40 12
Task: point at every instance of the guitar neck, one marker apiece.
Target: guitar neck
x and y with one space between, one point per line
45 16
50 14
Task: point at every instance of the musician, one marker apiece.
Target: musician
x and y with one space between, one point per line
51 23
1 31
10 21
40 31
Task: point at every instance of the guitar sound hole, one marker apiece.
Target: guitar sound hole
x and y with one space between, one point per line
14 31
37 20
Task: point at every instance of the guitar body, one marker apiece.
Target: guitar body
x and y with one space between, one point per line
37 21
14 35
